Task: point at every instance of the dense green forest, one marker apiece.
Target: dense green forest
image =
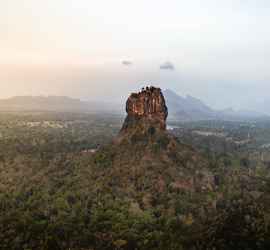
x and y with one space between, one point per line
59 188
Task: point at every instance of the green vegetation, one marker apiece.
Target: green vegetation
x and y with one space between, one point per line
56 193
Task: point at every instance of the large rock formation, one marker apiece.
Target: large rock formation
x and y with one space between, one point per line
147 165
147 110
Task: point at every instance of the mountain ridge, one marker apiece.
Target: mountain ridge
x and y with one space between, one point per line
190 108
55 103
181 108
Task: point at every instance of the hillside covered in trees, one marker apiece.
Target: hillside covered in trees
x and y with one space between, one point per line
73 181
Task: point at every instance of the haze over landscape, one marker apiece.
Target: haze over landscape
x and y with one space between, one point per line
134 125
218 51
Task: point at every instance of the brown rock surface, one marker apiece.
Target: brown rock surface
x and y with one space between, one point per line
146 108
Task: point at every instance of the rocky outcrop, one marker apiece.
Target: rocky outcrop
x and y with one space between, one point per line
146 109
146 159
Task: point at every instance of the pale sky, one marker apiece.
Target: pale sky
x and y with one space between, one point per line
219 49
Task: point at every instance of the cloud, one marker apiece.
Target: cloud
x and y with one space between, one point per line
167 66
126 63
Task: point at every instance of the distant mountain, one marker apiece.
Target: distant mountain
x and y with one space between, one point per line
192 109
187 108
49 103
241 114
180 108
55 103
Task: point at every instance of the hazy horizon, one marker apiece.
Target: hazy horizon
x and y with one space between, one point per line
217 52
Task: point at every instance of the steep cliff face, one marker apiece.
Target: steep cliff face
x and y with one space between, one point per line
147 110
146 164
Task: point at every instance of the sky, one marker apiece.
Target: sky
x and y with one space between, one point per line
218 51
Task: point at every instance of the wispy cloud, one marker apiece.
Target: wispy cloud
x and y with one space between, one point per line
127 63
167 66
